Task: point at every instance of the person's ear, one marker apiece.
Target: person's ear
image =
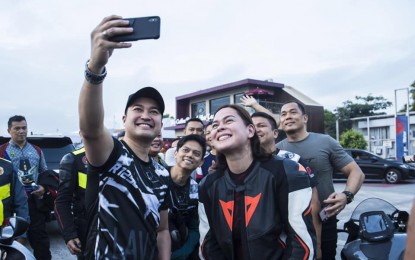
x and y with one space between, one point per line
251 131
123 119
305 118
275 133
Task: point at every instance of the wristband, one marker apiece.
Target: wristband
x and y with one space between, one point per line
93 78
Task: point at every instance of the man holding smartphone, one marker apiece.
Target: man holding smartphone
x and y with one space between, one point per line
132 207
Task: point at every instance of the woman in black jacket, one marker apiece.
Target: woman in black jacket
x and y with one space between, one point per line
253 197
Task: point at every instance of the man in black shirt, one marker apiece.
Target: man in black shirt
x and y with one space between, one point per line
132 204
183 216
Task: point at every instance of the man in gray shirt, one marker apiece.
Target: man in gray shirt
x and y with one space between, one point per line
324 155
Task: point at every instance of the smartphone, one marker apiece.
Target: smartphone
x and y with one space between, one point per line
144 28
323 215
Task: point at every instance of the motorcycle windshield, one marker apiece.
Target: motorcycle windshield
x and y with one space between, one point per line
373 204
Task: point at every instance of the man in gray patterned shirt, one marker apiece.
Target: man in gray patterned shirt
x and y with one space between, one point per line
29 161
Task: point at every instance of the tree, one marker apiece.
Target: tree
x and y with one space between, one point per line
353 139
168 116
412 99
330 123
363 106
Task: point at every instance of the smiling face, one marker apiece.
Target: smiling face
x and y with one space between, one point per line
189 156
266 134
156 146
207 135
142 120
229 131
292 119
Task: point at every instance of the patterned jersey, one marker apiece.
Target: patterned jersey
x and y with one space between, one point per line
183 214
297 158
27 162
131 195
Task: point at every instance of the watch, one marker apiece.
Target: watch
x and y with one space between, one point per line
93 78
349 196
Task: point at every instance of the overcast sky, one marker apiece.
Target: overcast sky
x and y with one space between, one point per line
329 50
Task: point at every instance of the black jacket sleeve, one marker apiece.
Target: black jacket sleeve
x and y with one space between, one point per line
64 200
210 246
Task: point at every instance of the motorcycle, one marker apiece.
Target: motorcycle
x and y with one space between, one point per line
9 248
376 230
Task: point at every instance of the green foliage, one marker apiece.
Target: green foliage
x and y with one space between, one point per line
330 123
353 139
411 99
412 96
363 106
168 116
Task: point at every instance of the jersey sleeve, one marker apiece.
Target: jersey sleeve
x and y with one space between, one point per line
338 156
42 166
210 247
299 225
63 202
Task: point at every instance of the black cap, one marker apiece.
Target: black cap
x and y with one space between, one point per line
148 92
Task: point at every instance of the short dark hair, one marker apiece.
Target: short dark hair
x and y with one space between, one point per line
270 119
300 106
16 118
257 151
210 122
194 119
197 138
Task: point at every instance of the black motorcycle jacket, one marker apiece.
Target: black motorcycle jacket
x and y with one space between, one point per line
70 202
276 197
13 198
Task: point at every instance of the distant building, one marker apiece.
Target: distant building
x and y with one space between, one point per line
380 133
271 95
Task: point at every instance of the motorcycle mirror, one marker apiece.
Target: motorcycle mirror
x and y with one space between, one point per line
14 227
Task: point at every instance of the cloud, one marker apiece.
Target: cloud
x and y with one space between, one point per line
331 51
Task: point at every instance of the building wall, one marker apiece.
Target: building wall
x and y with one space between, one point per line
379 125
279 97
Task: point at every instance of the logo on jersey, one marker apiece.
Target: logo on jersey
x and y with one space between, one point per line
289 155
251 204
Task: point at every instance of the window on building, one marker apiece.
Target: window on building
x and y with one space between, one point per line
237 98
274 107
218 102
379 134
199 109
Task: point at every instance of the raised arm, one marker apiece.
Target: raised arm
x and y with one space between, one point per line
96 138
250 101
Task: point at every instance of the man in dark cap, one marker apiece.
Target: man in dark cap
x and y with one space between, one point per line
132 208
